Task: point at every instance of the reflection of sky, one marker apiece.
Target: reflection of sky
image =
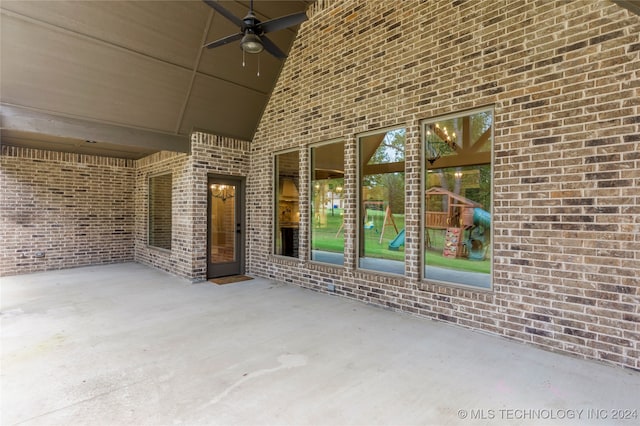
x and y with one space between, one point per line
392 153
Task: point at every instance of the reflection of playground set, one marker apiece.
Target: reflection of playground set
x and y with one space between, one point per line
462 216
398 241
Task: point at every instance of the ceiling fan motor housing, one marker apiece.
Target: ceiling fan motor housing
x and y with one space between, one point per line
252 24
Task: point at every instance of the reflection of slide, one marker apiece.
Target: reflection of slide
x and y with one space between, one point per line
481 218
397 241
476 244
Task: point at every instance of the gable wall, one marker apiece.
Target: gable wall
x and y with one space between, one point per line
563 78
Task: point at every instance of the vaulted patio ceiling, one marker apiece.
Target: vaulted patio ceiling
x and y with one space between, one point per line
131 76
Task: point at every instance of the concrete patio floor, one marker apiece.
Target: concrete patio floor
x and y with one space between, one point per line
127 344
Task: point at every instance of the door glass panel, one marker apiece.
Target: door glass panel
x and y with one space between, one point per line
223 224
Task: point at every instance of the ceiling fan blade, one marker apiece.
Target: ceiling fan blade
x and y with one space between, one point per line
224 41
224 12
283 22
270 47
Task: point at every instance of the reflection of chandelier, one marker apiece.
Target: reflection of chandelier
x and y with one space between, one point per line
224 192
436 136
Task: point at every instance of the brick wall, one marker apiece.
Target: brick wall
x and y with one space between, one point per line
215 155
75 210
564 79
177 260
209 155
86 210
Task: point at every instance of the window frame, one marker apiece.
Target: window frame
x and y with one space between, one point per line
275 179
423 188
359 243
310 181
150 210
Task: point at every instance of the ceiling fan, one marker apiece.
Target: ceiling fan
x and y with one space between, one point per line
252 31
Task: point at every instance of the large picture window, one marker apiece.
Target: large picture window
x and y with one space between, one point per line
327 208
381 199
160 220
287 204
458 198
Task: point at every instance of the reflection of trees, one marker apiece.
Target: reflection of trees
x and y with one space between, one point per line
484 197
325 191
388 186
394 185
391 148
480 122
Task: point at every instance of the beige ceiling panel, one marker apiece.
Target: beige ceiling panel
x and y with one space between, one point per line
169 30
52 143
221 26
215 105
52 70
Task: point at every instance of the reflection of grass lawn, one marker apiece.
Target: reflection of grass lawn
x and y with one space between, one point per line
435 258
324 238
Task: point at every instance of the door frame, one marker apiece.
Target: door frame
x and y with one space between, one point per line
240 206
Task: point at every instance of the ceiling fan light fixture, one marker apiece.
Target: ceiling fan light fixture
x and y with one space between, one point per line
251 43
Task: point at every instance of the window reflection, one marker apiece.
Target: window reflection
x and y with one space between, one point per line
287 210
327 208
382 196
457 218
